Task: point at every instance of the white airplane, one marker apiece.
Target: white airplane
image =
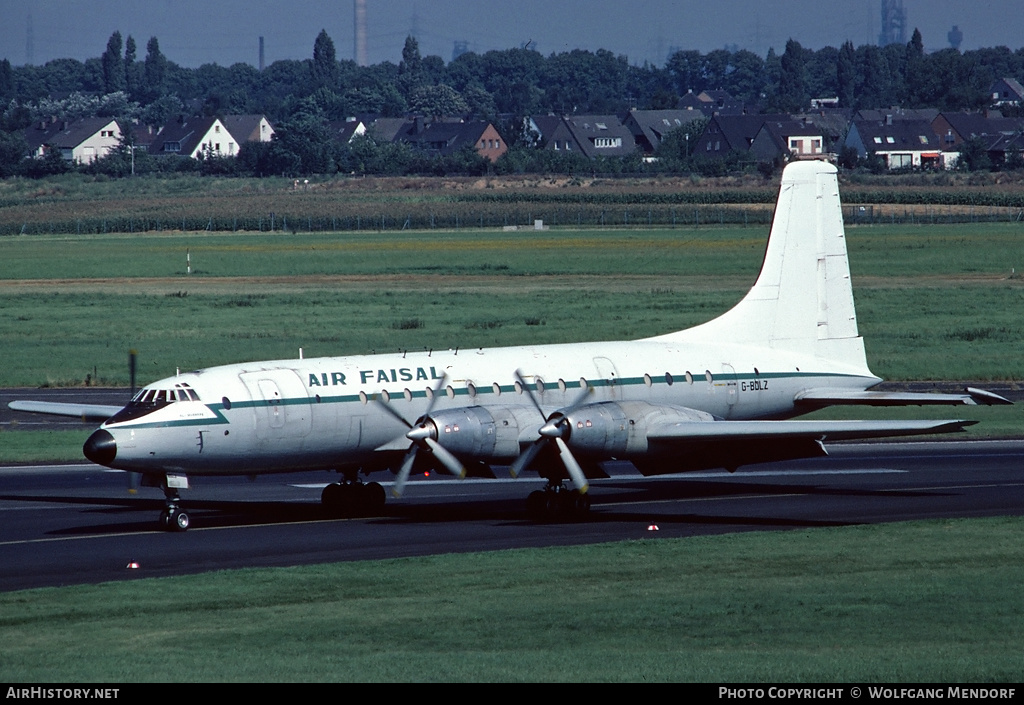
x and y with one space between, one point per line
719 395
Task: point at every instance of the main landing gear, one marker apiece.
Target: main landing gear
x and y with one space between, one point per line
556 503
353 498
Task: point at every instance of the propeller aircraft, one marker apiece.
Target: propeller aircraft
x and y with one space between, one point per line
719 395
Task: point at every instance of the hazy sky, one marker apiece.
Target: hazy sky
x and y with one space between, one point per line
193 32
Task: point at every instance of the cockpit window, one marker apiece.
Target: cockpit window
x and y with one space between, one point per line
149 399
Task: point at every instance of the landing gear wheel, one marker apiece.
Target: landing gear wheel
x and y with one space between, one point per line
557 504
174 519
353 498
332 495
536 504
181 521
374 497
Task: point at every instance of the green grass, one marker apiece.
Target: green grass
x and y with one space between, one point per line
898 252
944 306
928 602
19 446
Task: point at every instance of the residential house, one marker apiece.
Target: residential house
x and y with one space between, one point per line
344 131
1006 91
901 144
590 136
788 139
712 103
956 128
550 132
447 136
195 137
731 133
248 128
1007 147
649 127
81 141
601 135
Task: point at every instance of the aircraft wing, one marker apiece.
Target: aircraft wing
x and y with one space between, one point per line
819 398
704 445
86 412
814 430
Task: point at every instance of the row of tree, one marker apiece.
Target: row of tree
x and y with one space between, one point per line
500 86
522 81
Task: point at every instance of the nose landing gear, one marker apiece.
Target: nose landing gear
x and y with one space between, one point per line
173 517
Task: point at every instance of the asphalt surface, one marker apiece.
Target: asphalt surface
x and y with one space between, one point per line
75 524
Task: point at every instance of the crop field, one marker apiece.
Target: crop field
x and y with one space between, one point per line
78 205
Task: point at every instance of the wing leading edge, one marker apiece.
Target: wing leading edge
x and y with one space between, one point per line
820 398
86 412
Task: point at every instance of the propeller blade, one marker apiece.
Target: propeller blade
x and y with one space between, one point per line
391 410
529 393
525 458
574 469
430 404
403 473
449 461
420 434
437 393
580 400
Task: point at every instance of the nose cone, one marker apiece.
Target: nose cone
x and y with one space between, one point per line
100 448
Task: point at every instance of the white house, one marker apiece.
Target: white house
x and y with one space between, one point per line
81 141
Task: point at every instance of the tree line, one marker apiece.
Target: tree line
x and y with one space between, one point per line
501 86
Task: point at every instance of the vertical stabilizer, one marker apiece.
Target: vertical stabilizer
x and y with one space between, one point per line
802 300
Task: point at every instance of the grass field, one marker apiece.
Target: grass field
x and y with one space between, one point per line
932 602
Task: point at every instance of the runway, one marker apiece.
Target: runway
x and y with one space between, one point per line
74 524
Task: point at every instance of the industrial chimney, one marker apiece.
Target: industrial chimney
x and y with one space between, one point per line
360 29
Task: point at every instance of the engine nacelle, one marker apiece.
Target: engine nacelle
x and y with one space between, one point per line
484 434
619 429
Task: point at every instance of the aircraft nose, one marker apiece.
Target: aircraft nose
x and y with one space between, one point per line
100 448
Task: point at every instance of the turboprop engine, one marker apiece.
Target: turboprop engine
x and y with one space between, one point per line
619 429
605 429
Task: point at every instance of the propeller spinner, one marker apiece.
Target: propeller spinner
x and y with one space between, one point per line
423 434
555 430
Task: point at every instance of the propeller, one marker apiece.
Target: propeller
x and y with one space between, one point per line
554 430
422 435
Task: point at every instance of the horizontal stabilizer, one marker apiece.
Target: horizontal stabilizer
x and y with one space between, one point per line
817 430
819 398
86 412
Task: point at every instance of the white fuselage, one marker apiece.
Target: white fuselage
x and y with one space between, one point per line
291 415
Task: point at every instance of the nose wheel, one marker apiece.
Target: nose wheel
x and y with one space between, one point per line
173 517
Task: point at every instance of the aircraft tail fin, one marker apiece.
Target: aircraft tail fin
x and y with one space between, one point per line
802 300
